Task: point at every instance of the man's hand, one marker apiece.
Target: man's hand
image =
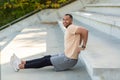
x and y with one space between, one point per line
82 47
83 36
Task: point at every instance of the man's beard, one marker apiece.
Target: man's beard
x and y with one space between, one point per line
68 25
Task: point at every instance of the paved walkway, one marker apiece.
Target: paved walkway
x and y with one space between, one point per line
33 42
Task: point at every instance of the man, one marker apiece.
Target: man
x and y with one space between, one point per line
75 40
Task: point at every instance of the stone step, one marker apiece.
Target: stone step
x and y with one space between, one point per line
35 42
105 8
107 1
104 23
101 57
103 5
9 33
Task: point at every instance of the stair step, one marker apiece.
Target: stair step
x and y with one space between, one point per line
35 42
105 23
102 55
104 5
112 20
109 1
105 8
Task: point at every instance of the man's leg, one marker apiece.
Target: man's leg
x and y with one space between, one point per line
36 63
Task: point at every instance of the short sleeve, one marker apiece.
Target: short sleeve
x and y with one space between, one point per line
72 29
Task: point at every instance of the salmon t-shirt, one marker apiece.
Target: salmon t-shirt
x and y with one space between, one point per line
72 42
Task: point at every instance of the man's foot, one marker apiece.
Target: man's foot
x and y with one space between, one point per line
18 59
15 61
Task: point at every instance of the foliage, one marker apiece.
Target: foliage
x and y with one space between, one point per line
13 9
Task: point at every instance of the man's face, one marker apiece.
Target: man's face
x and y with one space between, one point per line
67 21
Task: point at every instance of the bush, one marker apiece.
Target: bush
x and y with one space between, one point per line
13 9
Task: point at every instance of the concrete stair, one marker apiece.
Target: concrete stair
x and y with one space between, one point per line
100 17
33 42
107 1
102 55
44 16
101 58
105 23
105 8
8 34
30 39
109 7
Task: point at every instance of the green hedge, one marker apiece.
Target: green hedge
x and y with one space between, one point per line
13 9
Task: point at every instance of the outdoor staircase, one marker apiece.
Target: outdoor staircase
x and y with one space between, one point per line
102 19
30 38
35 41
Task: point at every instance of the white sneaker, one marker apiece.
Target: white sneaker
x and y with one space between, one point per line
15 61
16 58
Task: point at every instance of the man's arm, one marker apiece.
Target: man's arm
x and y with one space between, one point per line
84 35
